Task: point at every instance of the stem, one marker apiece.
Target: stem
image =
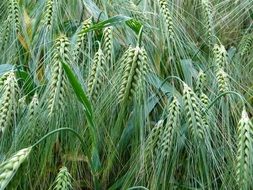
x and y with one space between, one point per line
223 94
140 36
170 77
137 187
58 130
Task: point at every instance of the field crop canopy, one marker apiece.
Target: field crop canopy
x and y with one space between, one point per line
126 94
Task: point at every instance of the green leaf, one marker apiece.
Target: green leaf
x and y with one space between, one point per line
81 95
79 92
188 70
132 23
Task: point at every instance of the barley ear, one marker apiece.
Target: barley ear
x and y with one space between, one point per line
8 102
153 139
164 7
63 180
13 16
200 84
223 81
169 128
3 78
220 56
58 83
244 159
32 132
107 45
96 75
9 167
208 19
81 39
246 44
193 113
49 13
134 68
5 34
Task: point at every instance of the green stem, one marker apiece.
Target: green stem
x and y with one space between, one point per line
137 187
56 131
171 77
140 37
223 94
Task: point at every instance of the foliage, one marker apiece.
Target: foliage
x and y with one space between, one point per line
126 94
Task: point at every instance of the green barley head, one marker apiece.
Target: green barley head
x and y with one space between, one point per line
9 101
134 68
9 167
96 75
244 159
63 180
193 113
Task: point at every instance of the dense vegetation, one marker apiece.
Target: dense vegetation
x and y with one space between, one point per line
126 94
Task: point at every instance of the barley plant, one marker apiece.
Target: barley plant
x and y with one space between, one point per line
136 94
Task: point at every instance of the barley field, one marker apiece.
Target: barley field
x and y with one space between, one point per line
126 94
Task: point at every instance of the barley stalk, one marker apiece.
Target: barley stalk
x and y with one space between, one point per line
63 180
11 165
244 152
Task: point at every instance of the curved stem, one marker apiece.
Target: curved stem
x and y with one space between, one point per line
171 77
140 36
137 187
99 16
58 130
99 44
223 94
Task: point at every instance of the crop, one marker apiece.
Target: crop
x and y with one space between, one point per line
136 94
